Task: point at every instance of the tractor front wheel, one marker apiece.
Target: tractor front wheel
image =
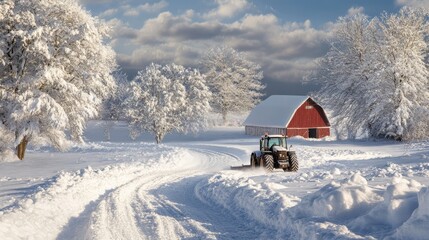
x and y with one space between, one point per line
269 163
293 162
253 161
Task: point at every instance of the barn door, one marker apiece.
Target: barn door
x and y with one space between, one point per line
312 133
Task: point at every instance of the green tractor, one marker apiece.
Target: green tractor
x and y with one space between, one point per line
273 153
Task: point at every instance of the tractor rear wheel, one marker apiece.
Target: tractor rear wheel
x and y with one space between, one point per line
268 162
293 162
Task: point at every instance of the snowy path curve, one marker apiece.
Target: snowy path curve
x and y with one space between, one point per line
161 205
143 203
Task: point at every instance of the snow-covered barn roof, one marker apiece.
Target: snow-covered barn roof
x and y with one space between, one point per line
275 111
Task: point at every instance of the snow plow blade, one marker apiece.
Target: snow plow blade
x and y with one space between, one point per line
242 167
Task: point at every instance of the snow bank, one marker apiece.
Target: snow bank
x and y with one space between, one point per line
396 170
315 156
7 155
417 225
348 209
259 202
399 202
338 201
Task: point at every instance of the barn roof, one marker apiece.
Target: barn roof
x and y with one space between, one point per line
275 111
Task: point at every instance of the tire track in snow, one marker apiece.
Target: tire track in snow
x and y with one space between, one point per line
161 204
43 214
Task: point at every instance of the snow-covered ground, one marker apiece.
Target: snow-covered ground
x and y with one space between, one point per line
184 188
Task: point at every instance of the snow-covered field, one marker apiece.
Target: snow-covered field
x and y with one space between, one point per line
184 188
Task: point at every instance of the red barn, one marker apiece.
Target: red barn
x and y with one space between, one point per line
290 115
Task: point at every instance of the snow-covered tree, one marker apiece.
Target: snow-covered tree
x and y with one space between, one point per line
55 70
375 79
113 107
198 96
344 73
403 74
234 81
165 99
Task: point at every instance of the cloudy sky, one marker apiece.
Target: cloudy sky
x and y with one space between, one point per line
283 36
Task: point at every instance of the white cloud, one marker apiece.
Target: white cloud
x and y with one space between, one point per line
285 51
95 1
413 3
108 13
121 30
163 54
226 8
169 28
355 10
131 12
144 8
155 7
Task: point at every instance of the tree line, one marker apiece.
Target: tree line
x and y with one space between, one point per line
56 71
163 99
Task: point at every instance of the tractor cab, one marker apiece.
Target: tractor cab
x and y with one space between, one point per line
267 142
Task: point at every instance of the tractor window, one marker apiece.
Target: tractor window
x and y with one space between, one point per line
279 141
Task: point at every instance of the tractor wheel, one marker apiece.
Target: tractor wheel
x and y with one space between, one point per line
253 161
293 162
269 163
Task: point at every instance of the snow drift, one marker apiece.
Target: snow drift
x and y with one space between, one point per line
349 209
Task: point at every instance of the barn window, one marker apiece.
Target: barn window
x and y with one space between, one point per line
308 107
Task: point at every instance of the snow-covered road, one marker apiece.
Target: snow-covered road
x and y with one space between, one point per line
185 190
153 197
160 204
